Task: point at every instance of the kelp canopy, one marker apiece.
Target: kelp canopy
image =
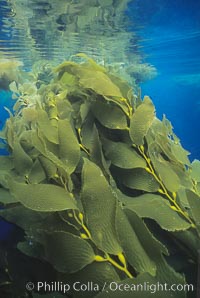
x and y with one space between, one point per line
102 189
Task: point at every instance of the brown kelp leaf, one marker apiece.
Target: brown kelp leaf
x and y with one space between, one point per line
141 121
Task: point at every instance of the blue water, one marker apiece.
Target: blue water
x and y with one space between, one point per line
5 100
170 40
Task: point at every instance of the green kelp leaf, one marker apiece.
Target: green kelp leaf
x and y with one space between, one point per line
157 208
50 147
6 197
31 248
49 131
168 176
183 174
69 149
6 163
141 121
96 154
139 179
155 250
57 222
42 197
26 143
87 131
36 174
98 81
195 173
84 110
163 169
69 253
98 273
160 135
68 66
194 201
162 142
124 87
121 102
22 161
109 115
9 132
6 176
122 155
182 197
48 166
167 125
189 239
64 107
99 206
40 145
198 188
179 153
23 217
68 79
134 251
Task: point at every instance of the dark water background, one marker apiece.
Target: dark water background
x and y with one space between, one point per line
169 39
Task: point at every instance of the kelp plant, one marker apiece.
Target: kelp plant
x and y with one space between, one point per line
101 188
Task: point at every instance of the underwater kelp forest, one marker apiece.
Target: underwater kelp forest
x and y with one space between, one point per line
97 194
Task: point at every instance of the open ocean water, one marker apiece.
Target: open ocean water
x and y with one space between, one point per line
172 44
